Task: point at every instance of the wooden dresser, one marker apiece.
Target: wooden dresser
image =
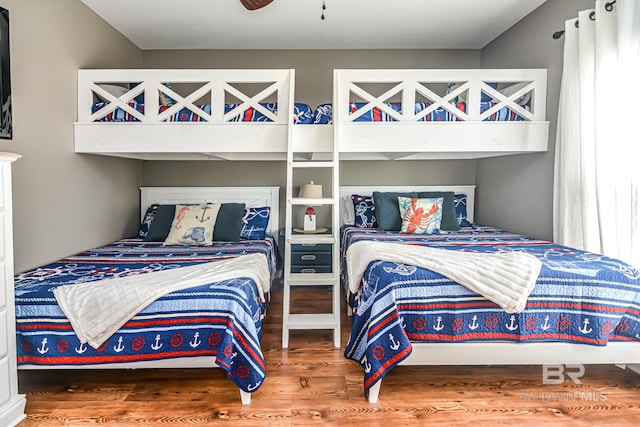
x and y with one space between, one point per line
11 403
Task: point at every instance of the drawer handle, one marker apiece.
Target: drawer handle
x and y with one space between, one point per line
308 270
309 244
308 257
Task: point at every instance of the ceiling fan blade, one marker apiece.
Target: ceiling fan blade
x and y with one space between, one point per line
255 4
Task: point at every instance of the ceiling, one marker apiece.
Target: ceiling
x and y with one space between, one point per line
296 24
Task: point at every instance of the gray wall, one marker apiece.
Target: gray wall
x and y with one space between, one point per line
314 77
63 202
215 173
516 192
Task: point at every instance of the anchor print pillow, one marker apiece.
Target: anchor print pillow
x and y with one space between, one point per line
364 211
420 216
254 223
193 225
460 202
143 230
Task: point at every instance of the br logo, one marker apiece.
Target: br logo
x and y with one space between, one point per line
554 373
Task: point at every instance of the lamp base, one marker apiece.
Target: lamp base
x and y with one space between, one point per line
309 222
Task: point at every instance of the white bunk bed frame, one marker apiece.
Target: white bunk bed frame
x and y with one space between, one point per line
468 138
218 138
252 197
622 354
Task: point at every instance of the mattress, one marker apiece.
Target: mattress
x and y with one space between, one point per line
222 319
579 297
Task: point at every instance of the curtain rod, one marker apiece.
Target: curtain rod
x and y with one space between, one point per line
608 7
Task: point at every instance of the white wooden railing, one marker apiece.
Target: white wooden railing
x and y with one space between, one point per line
213 86
411 86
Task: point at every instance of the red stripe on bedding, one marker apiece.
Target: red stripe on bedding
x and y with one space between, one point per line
386 365
388 319
84 360
500 335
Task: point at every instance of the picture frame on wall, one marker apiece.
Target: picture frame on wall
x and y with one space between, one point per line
6 117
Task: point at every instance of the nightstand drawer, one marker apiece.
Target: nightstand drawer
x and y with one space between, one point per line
314 269
311 247
311 258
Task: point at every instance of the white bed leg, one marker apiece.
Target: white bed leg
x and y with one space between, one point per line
245 397
374 391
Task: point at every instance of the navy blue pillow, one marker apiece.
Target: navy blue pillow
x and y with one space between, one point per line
228 223
449 221
146 221
483 96
161 224
302 114
387 209
140 98
460 201
323 114
364 210
255 222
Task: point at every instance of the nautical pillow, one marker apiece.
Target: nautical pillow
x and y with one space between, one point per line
364 211
193 225
460 201
420 216
302 114
254 223
323 114
165 99
143 230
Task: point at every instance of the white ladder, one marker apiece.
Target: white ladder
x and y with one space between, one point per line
311 320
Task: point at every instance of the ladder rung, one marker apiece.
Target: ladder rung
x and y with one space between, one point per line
312 321
311 279
312 202
312 164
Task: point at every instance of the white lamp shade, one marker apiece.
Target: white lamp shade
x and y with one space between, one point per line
311 191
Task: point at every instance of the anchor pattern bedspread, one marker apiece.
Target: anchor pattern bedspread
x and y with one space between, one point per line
579 297
222 319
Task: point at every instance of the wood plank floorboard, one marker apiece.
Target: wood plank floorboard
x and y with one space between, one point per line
311 383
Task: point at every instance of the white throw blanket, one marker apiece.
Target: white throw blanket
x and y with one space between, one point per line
98 309
504 278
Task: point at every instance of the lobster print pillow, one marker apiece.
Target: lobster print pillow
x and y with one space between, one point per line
193 225
420 216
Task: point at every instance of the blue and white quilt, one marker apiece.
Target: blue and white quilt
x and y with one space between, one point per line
222 319
579 297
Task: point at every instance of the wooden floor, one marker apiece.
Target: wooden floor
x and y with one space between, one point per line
311 383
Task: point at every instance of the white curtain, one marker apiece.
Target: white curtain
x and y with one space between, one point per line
597 163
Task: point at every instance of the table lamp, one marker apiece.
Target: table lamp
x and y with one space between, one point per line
310 191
